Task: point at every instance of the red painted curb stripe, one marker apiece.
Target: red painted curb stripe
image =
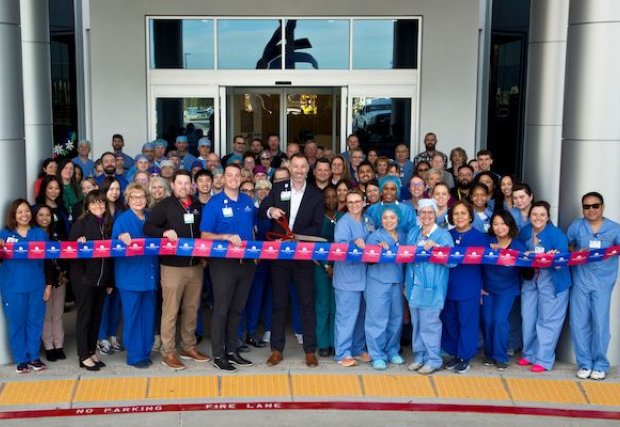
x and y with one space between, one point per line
270 406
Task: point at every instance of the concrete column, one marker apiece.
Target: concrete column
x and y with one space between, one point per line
544 99
12 161
37 87
591 131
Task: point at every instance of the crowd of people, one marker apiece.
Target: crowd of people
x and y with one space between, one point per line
352 311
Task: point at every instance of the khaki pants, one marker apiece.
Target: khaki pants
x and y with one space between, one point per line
180 287
53 331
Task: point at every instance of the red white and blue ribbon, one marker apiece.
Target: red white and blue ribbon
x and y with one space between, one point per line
302 251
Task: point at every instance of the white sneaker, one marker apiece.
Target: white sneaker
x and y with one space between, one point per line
415 366
426 370
267 337
584 373
598 375
300 338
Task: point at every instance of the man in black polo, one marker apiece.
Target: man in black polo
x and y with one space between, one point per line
181 277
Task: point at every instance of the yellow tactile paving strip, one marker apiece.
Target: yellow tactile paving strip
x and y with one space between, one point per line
548 391
463 387
255 386
182 387
602 393
300 386
111 389
326 385
397 386
39 392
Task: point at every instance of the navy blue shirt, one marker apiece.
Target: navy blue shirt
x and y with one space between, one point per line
223 215
501 279
465 280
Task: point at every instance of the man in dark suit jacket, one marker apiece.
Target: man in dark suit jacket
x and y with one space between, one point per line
303 206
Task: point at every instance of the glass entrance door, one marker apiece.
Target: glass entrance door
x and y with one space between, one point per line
296 114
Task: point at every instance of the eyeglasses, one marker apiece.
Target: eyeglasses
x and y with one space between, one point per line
140 197
422 169
265 158
592 206
417 185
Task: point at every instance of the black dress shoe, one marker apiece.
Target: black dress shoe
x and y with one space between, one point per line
99 364
324 352
251 339
51 355
60 354
89 368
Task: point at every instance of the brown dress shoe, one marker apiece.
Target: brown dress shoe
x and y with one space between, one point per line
311 360
172 361
194 354
275 358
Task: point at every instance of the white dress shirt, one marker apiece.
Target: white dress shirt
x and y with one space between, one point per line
296 197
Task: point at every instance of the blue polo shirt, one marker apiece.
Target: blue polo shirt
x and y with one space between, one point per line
223 215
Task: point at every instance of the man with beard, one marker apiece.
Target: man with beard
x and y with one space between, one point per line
430 142
108 162
464 178
365 172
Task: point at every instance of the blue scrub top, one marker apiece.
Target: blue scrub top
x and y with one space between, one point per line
516 214
223 215
501 279
426 282
386 272
135 273
466 279
597 274
88 168
22 275
550 238
350 276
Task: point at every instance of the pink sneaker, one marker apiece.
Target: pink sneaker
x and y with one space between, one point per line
537 368
523 362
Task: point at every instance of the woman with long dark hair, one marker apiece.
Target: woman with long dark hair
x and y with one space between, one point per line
502 285
71 193
56 275
91 278
23 289
50 194
111 315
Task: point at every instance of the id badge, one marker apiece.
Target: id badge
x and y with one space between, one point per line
11 239
285 196
539 250
227 212
188 218
594 244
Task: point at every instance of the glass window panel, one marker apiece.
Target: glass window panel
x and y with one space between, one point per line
194 117
310 115
245 44
382 123
254 114
176 43
385 43
317 44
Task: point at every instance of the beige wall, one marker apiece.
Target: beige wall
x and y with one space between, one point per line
448 77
